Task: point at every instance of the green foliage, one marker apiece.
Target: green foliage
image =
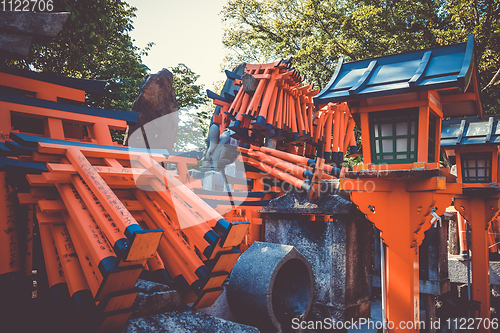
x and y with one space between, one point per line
195 110
318 32
188 93
94 44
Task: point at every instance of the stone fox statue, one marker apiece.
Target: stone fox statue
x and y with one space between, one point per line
219 151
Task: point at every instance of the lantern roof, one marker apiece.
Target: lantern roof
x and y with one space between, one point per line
470 131
449 69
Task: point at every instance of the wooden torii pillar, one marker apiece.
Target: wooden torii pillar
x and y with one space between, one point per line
479 210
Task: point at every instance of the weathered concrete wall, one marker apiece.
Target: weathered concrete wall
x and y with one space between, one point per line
457 267
338 250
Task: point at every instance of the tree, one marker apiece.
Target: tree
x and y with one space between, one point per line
318 32
188 93
94 44
194 109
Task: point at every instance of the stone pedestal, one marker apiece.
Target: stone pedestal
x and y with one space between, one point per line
433 261
453 239
433 264
336 240
213 181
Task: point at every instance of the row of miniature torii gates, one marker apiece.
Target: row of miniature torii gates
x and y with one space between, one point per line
96 235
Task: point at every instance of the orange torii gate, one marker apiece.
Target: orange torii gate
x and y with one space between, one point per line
281 104
335 129
281 110
279 107
48 106
113 208
195 220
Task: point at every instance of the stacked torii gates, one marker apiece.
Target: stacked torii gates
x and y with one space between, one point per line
281 108
399 102
104 212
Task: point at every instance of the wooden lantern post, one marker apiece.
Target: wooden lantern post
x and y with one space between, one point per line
473 142
399 102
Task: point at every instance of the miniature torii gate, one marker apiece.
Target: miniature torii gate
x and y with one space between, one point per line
105 238
399 102
47 106
29 102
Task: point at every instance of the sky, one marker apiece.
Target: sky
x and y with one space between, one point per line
184 31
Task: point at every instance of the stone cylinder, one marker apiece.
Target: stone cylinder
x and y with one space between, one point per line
270 285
